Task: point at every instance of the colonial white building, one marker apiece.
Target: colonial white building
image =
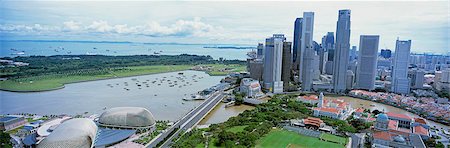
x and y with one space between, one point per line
250 87
336 109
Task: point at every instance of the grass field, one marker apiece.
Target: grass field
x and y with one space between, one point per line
333 138
221 69
282 138
236 129
50 82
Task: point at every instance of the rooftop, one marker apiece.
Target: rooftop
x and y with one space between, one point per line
382 135
310 97
7 118
327 109
420 120
420 130
401 116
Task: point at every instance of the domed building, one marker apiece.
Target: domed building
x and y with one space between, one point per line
137 118
74 133
389 133
382 122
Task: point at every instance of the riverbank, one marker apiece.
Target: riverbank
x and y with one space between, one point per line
410 110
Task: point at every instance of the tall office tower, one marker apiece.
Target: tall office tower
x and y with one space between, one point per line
341 53
307 51
350 79
286 65
367 62
272 63
385 53
353 54
323 56
296 45
417 78
329 45
315 65
400 81
329 67
256 69
260 50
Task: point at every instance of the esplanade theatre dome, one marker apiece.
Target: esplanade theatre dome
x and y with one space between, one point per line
74 133
127 117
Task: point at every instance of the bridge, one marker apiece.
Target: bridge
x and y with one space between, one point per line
186 123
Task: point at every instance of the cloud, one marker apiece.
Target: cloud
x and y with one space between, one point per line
71 25
180 28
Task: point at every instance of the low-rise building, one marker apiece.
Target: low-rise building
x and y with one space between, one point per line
11 122
250 87
336 109
311 99
403 120
390 131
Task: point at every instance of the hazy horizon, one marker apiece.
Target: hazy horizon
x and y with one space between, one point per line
426 24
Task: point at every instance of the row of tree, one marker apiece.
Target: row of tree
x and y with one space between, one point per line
76 64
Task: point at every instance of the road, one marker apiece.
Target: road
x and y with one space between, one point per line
188 121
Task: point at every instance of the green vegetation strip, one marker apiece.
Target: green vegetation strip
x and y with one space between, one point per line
55 81
283 138
52 72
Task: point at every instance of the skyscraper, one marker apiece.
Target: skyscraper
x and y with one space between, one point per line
341 53
417 79
400 81
296 43
353 54
260 50
367 61
307 51
286 65
329 45
273 63
323 56
385 53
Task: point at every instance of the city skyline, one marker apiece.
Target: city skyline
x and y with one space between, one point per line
223 22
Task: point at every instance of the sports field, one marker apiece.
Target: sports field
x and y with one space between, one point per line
282 138
333 138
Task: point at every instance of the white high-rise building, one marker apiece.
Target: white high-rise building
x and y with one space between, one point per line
341 53
400 81
273 63
308 52
367 62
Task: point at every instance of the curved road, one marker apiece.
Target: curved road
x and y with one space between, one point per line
188 121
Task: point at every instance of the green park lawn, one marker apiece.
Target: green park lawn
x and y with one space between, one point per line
236 129
282 138
218 69
55 81
333 138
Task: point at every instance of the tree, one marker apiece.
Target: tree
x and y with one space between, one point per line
239 99
5 139
376 112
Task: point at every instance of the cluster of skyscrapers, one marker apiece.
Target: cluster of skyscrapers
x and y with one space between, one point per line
333 65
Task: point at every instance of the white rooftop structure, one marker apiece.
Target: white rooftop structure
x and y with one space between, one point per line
127 117
74 133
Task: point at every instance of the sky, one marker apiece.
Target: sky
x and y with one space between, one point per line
426 23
